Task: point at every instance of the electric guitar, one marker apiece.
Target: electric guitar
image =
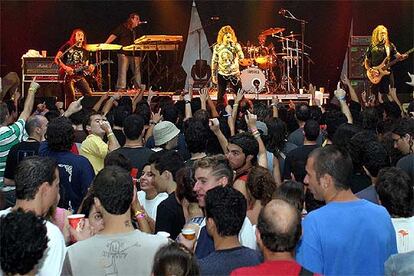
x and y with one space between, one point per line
376 73
79 70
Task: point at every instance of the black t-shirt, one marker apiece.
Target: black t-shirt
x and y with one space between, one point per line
138 156
76 55
126 37
120 136
17 153
377 54
170 217
296 161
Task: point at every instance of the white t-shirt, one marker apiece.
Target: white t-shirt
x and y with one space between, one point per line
404 232
53 257
150 205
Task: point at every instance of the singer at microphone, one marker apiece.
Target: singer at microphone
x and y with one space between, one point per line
126 34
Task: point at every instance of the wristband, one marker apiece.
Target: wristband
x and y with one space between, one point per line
139 214
110 134
187 102
236 104
152 122
341 98
256 135
253 130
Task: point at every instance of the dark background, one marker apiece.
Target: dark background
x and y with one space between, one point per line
46 25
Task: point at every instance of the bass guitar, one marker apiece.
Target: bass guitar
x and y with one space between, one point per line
79 70
376 73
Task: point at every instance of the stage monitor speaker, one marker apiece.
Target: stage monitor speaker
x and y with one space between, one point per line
359 86
356 55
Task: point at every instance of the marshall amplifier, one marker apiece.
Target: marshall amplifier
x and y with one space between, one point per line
39 66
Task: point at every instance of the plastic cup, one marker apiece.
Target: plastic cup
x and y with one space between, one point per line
188 233
75 219
163 234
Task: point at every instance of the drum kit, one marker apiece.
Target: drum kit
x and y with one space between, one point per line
263 70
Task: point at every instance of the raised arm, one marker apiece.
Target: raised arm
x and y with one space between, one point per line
251 122
215 128
340 95
28 103
352 93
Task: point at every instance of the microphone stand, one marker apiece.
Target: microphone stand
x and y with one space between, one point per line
302 24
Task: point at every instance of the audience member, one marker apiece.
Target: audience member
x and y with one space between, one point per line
225 212
278 232
396 194
175 259
149 197
93 147
337 235
36 129
170 216
403 137
260 189
76 173
296 159
302 114
23 242
11 133
116 248
37 190
134 148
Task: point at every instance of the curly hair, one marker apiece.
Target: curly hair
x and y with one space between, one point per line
375 38
260 184
223 31
227 207
279 225
395 192
113 187
23 241
60 134
175 259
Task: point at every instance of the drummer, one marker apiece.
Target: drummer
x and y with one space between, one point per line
126 33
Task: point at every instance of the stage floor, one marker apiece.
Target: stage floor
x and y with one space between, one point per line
252 96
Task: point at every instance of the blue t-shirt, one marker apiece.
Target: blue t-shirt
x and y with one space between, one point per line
222 262
347 238
205 244
75 173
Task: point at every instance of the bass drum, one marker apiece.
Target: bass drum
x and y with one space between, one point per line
253 80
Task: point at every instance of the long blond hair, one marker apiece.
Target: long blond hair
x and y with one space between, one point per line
223 31
375 38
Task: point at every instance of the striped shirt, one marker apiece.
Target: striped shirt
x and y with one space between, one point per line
9 136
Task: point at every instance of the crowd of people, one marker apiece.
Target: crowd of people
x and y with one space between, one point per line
268 189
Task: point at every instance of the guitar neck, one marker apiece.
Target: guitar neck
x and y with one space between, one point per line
397 60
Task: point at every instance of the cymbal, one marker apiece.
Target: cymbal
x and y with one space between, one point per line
103 47
272 31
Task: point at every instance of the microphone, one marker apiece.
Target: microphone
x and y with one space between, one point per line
143 22
215 18
282 12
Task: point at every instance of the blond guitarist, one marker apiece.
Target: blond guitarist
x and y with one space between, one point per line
380 49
